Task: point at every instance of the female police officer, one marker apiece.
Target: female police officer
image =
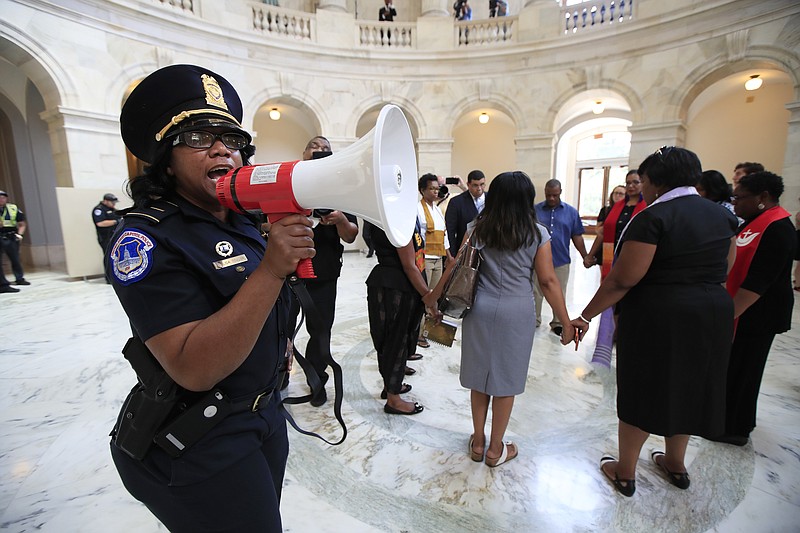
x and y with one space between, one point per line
207 297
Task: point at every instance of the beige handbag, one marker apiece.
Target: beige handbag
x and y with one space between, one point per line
459 291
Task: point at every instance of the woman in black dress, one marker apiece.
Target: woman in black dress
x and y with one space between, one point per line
761 286
675 318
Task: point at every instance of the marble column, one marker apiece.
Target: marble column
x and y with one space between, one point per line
333 5
647 138
791 161
87 149
535 157
434 156
435 8
539 19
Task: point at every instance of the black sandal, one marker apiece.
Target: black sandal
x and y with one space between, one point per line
679 479
410 371
629 486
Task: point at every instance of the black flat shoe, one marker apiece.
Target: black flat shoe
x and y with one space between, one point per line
404 389
679 479
415 357
423 343
388 409
626 487
410 371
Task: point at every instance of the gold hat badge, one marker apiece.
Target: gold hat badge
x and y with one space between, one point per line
214 94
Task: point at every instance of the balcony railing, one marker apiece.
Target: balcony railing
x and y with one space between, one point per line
386 34
493 31
595 15
181 5
274 20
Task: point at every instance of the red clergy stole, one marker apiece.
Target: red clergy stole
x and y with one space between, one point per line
610 231
747 244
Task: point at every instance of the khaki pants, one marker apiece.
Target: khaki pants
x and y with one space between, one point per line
562 273
434 268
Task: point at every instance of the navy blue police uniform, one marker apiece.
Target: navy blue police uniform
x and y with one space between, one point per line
101 213
172 263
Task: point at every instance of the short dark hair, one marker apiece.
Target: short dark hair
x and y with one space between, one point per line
425 179
749 167
475 175
716 186
672 167
552 183
763 181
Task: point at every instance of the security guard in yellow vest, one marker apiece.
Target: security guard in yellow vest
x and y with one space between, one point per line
11 233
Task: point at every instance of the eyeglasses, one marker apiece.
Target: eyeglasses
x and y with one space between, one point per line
206 139
663 152
634 182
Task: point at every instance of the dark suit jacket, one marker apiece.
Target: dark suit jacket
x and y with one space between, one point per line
387 14
460 212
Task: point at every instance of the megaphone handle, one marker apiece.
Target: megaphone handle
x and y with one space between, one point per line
305 269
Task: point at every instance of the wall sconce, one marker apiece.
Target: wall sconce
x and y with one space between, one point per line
598 107
753 83
274 114
483 118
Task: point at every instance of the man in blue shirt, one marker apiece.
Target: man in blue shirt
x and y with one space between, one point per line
564 224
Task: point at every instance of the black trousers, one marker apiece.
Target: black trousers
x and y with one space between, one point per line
745 370
243 497
394 322
318 348
10 247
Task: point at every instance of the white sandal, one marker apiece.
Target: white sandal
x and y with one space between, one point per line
504 457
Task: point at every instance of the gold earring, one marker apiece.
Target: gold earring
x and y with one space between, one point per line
761 206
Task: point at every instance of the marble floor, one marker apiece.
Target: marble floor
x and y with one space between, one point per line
62 379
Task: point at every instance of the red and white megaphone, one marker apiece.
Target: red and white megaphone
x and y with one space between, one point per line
375 179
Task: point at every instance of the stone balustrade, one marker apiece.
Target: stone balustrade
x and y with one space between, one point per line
283 22
488 32
386 34
594 15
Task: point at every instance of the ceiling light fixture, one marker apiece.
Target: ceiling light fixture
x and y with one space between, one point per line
274 114
483 118
598 107
753 83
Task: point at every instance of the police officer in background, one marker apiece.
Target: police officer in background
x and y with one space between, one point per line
206 296
105 219
332 226
11 233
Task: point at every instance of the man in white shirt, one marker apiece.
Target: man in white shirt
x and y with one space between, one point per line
432 229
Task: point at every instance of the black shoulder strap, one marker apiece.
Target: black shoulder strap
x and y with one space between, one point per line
310 310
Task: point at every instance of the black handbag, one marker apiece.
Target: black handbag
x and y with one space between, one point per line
459 291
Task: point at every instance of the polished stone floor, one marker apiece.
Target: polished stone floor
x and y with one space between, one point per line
62 379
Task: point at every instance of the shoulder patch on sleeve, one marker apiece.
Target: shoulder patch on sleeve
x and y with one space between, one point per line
97 212
132 256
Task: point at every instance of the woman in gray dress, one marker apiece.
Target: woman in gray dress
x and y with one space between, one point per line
498 332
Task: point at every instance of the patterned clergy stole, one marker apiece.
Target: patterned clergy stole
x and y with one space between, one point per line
434 239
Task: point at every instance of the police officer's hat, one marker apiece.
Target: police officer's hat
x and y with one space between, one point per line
4 193
110 197
173 100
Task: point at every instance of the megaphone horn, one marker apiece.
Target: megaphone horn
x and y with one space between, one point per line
375 179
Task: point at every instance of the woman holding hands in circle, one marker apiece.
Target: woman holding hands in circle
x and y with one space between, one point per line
675 318
499 330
